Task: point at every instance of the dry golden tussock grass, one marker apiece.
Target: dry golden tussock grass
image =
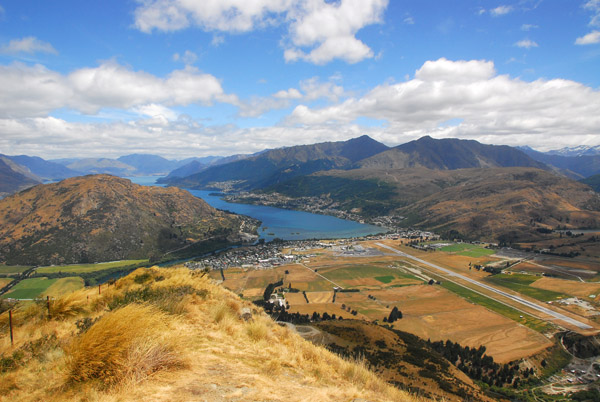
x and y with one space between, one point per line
127 344
186 332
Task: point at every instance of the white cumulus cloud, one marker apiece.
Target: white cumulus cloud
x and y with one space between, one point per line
491 107
501 10
526 43
29 44
594 7
319 31
29 91
589 39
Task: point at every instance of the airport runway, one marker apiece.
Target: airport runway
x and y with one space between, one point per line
517 299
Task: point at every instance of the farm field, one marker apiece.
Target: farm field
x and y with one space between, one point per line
30 288
561 268
12 269
522 283
5 281
437 312
468 250
83 268
64 286
432 312
573 288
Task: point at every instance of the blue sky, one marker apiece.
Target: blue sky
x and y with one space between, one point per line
219 77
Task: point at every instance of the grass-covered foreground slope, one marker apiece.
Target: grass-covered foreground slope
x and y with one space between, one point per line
106 218
170 335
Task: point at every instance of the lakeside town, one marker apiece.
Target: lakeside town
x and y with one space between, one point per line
322 204
271 254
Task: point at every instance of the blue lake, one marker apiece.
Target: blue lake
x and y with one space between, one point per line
283 223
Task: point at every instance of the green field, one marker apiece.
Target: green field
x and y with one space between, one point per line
30 288
64 286
13 269
520 283
364 271
468 250
385 279
507 311
83 268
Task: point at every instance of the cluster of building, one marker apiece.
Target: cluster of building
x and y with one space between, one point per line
323 204
269 255
259 256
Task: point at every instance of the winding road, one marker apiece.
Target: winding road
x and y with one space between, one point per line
512 297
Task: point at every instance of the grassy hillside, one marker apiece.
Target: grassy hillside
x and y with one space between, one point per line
170 335
105 218
492 203
593 182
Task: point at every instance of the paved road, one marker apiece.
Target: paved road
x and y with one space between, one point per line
517 299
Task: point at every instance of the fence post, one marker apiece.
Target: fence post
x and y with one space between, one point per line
48 304
12 340
99 291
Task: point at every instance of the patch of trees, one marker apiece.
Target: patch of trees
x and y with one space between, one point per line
297 318
582 346
270 288
586 395
349 290
349 309
479 366
395 314
305 297
493 270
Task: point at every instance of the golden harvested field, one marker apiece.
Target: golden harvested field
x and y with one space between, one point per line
320 297
295 299
326 308
430 311
5 281
575 288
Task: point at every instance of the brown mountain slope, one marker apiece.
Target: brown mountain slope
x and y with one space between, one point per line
487 202
103 218
508 204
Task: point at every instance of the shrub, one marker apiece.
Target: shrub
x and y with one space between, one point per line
126 344
67 306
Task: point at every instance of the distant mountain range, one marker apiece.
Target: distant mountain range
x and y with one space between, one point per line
579 166
14 177
277 166
197 165
581 150
105 218
487 183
